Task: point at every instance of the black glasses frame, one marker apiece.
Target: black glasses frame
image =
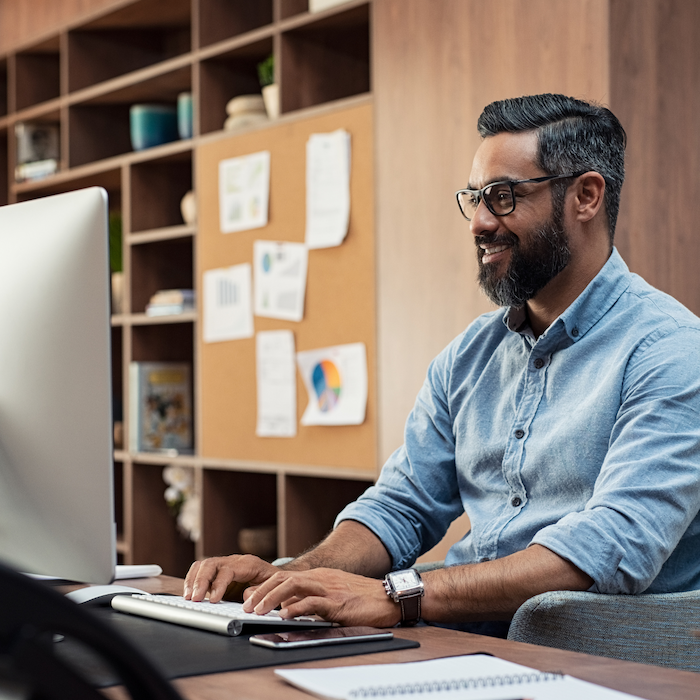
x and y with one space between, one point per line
479 194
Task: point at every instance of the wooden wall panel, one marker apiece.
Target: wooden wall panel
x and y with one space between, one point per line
21 21
655 91
436 65
340 295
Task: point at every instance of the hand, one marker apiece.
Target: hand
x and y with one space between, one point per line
222 576
334 595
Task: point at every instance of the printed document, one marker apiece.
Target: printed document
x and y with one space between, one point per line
228 309
327 189
336 382
244 192
280 279
277 385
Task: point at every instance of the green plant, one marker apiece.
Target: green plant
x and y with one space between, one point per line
266 71
115 241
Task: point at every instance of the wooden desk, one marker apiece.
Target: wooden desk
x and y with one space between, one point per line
648 682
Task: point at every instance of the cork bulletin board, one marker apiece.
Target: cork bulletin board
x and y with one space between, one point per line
340 295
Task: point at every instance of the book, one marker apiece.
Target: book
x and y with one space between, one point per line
168 309
173 296
160 403
471 677
36 170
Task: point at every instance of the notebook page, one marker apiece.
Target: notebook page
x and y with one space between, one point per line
473 677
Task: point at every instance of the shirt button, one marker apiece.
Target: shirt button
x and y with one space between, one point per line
539 363
519 433
574 332
515 501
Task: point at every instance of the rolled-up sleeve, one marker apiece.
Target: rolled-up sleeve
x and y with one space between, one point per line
416 496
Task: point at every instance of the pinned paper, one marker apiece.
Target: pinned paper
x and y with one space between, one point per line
280 279
327 189
277 384
244 192
336 382
228 309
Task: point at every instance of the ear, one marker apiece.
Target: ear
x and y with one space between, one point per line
588 195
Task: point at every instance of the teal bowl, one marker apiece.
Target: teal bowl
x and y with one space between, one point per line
152 125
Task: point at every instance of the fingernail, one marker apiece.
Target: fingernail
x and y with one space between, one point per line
284 612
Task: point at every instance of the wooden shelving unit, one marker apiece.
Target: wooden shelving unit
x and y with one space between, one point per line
84 78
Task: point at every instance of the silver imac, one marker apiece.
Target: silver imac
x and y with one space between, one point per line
56 468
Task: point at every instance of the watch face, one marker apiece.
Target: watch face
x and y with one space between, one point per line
404 580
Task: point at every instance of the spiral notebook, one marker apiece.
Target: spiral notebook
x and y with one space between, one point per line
472 677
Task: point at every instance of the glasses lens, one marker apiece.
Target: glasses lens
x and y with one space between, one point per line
499 198
468 202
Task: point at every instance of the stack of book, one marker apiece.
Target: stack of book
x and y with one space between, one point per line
37 151
171 302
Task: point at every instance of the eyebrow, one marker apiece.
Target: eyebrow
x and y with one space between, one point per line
505 178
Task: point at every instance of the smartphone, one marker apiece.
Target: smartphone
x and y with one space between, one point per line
320 637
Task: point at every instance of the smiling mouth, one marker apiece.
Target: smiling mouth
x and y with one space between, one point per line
491 252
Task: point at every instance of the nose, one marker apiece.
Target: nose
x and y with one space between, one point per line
483 221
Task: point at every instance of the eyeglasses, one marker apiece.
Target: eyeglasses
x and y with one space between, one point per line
499 197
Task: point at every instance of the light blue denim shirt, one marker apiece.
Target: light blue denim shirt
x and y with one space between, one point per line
585 441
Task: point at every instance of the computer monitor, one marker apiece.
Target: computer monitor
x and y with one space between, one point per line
56 481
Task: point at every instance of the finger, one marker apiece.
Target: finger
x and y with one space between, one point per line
258 593
189 580
311 605
293 587
206 574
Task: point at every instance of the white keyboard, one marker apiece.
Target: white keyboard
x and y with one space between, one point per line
222 618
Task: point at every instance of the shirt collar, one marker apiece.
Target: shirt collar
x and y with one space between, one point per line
589 307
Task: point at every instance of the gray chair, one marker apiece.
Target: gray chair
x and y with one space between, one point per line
653 629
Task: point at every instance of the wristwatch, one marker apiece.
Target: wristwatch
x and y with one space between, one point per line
405 588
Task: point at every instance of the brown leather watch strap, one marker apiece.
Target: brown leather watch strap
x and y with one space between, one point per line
410 610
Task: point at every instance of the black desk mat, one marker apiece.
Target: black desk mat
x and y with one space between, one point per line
179 651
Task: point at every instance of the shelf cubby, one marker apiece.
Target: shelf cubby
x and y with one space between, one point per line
235 500
3 87
118 478
223 19
156 538
157 186
38 74
4 165
311 505
89 123
159 265
134 37
289 8
326 60
163 342
228 75
108 113
117 377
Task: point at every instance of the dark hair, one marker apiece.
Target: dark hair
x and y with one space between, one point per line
573 135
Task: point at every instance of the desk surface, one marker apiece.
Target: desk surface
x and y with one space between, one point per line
648 682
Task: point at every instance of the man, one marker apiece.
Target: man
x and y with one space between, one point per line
565 424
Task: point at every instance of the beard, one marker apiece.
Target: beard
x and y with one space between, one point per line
532 265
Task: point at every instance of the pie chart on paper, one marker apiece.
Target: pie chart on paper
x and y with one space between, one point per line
327 385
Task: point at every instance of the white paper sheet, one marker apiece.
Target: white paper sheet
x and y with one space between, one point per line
277 386
280 279
327 188
336 382
228 309
244 192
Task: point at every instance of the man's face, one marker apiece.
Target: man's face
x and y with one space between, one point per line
519 253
